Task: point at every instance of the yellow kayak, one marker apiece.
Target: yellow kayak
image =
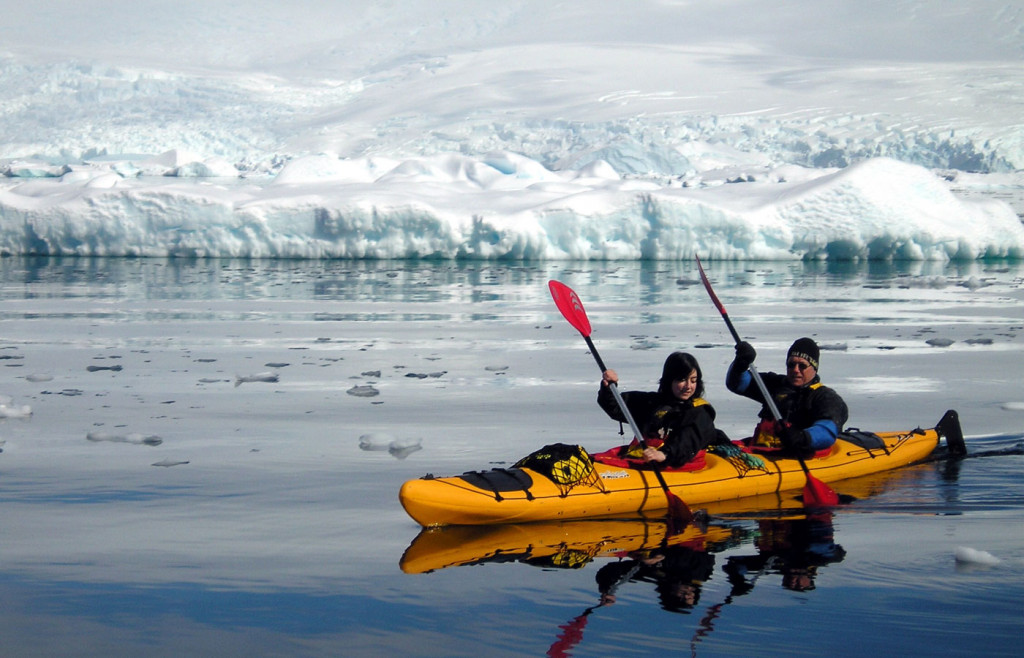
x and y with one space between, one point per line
524 495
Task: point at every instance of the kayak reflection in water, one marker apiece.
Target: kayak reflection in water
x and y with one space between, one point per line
794 548
678 572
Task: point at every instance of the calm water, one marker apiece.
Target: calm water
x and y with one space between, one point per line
214 450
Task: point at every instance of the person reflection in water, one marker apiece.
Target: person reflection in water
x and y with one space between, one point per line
678 572
794 548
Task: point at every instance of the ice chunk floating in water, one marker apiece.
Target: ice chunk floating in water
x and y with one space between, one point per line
375 441
363 391
15 411
268 377
972 556
134 438
8 409
398 448
167 463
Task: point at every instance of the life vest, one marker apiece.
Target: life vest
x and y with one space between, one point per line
766 430
764 434
632 455
659 440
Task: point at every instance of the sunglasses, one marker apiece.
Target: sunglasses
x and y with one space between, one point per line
798 364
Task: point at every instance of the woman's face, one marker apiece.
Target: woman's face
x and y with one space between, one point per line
683 389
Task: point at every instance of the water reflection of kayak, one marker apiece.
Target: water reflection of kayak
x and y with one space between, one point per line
575 488
556 544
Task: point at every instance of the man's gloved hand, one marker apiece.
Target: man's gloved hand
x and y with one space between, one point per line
745 355
794 439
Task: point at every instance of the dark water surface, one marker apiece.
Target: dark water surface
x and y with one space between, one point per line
212 458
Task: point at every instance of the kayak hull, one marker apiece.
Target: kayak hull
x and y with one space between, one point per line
525 496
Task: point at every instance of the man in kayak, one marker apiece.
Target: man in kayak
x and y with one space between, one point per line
676 421
812 414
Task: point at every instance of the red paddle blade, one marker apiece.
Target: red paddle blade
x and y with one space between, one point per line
819 494
568 302
679 514
707 286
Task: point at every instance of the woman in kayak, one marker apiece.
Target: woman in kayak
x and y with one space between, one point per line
676 421
812 414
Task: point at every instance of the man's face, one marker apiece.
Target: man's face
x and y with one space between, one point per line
799 372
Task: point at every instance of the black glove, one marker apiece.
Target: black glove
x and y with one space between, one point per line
794 439
745 355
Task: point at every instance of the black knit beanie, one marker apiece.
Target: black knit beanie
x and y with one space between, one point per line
807 349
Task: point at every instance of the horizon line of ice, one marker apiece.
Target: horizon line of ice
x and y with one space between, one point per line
506 207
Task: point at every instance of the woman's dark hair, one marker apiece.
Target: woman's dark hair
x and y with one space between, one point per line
678 366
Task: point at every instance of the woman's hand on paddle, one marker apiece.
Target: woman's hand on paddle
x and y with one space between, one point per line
609 376
653 455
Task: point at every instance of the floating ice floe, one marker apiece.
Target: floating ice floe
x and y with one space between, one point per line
134 438
257 377
972 556
15 411
398 448
973 283
375 441
364 391
10 410
167 463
